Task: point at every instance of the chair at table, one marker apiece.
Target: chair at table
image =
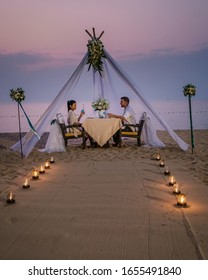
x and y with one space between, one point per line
66 129
71 135
133 134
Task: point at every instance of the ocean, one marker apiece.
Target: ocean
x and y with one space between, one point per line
176 114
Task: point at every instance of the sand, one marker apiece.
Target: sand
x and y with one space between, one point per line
196 163
105 203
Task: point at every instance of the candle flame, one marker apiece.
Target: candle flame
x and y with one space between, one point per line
182 199
172 179
42 168
176 188
10 196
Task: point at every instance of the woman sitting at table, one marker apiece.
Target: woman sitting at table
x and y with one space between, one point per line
74 119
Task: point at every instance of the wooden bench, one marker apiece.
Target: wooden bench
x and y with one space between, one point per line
133 134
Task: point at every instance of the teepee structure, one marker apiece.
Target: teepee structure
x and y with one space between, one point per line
102 66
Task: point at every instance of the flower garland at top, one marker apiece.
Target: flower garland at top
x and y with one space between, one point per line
17 94
95 52
189 89
100 104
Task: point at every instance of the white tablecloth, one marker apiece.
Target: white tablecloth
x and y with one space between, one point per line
101 130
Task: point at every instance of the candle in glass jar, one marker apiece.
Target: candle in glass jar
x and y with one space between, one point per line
176 189
167 171
35 174
10 197
158 157
26 184
52 160
172 180
47 165
162 163
42 169
181 200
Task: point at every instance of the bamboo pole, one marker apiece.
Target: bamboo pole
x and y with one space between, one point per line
20 134
191 125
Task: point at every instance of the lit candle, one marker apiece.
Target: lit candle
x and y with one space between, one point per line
158 157
10 197
47 165
176 189
167 171
172 180
35 174
181 200
52 160
42 169
162 164
26 184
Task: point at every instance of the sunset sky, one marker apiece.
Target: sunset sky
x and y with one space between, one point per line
161 44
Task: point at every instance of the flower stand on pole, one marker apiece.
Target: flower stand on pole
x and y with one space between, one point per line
190 90
18 95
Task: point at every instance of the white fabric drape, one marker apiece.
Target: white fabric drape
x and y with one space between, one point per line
30 139
184 146
55 141
149 133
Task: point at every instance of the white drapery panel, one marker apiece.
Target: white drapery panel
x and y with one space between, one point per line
30 139
184 146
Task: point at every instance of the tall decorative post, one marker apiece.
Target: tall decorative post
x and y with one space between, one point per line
190 90
18 95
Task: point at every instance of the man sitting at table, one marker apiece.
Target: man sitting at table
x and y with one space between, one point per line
128 117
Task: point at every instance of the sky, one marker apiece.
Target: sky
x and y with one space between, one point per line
161 44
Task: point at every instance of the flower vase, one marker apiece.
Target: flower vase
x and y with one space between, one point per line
102 114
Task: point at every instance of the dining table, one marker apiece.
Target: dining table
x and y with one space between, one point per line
101 130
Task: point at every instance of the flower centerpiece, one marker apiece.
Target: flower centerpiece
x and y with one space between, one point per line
95 52
101 104
189 89
17 94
